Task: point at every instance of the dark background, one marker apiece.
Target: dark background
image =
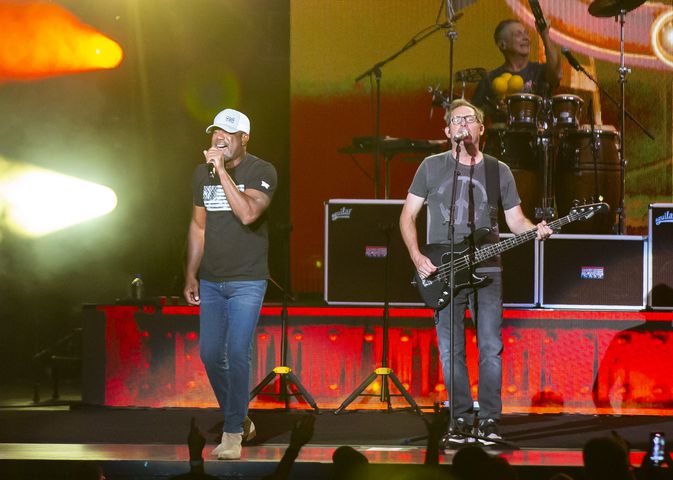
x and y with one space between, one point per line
138 129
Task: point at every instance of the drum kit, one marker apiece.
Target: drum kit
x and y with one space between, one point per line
558 161
558 156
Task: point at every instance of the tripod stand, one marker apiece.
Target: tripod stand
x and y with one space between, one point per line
285 375
384 371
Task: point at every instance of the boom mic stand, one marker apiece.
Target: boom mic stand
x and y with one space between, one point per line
376 71
384 371
285 375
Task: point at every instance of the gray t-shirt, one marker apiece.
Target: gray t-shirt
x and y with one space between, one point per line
434 181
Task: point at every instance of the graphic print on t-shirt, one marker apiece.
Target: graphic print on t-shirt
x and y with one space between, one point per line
215 200
462 199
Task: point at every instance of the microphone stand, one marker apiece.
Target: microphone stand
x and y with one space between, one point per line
623 71
286 377
376 71
451 236
451 34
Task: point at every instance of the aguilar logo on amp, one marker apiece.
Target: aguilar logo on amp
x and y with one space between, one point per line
342 214
667 217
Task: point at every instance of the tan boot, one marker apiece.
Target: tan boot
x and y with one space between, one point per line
221 446
231 446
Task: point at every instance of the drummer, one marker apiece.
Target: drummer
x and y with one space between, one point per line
517 74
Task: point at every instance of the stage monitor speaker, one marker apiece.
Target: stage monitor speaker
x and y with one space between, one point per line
660 281
359 236
520 274
600 272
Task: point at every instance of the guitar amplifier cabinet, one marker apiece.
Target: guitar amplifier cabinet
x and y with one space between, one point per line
520 274
364 253
660 278
600 272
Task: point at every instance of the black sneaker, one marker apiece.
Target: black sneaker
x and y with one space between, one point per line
487 431
460 434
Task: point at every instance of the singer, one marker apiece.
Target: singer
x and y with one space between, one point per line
513 40
482 183
227 270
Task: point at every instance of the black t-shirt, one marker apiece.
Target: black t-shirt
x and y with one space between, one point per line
233 251
534 81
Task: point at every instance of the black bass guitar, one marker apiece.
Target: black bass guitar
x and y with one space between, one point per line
435 289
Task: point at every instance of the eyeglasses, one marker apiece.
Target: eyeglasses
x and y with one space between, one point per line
457 120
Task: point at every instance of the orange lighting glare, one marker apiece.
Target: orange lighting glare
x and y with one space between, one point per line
43 39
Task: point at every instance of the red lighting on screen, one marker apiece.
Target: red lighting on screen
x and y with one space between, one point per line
369 337
191 336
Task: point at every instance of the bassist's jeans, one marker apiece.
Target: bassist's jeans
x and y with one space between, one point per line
485 306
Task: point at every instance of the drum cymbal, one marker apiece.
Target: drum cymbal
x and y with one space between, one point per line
612 8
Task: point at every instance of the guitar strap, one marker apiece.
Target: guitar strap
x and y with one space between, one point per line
492 172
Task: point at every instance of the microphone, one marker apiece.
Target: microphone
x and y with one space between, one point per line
211 170
572 60
462 134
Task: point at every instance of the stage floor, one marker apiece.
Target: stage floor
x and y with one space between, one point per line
151 443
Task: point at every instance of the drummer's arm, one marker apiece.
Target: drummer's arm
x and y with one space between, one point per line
553 64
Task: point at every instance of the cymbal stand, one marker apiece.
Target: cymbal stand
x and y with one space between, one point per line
623 71
595 149
544 138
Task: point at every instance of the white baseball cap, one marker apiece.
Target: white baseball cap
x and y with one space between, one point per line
231 121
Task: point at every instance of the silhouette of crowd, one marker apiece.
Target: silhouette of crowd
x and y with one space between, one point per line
604 458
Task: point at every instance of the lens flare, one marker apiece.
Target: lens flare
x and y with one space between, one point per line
36 201
42 39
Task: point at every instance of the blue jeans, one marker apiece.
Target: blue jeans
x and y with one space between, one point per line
486 308
229 315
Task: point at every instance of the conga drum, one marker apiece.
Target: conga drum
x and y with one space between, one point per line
523 111
588 170
518 150
566 111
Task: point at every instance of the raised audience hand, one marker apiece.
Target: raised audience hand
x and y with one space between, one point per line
195 441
